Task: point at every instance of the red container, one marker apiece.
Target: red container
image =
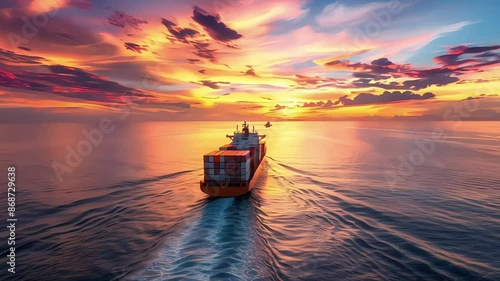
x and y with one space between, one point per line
209 156
233 171
234 156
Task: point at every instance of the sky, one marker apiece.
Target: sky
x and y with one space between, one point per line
77 60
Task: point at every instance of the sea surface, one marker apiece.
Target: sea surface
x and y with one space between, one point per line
334 201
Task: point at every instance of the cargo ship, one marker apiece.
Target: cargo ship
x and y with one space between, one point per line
232 170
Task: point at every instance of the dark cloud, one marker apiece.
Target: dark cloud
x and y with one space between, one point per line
378 66
382 62
367 75
85 80
8 56
25 48
19 30
366 98
179 33
123 20
250 71
136 48
212 24
212 84
435 79
278 107
328 103
202 71
452 66
168 23
321 104
69 82
414 84
203 51
452 58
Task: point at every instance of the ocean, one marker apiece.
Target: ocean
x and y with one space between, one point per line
334 201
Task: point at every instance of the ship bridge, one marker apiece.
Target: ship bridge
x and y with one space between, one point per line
245 139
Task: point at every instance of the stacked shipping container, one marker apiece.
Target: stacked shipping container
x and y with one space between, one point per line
227 166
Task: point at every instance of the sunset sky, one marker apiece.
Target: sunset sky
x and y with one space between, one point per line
74 60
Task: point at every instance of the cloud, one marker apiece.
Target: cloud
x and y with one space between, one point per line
366 98
378 66
278 107
136 48
477 57
202 51
192 61
338 14
212 84
304 80
179 33
439 79
189 36
11 57
59 32
326 104
452 67
69 82
250 71
369 76
123 20
212 24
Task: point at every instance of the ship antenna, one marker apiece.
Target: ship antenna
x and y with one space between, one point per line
253 128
